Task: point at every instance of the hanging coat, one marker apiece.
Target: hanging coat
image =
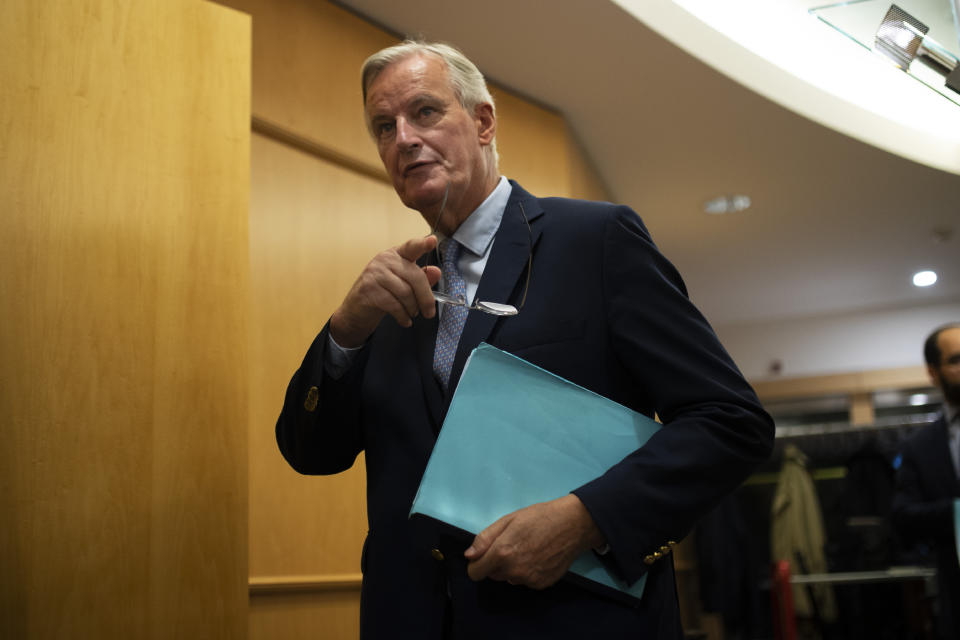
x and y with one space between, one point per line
797 527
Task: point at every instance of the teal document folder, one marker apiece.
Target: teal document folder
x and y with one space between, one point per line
516 435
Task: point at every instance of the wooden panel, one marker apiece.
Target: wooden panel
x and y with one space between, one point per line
306 71
861 409
306 616
533 145
312 584
124 187
306 67
313 226
812 386
585 182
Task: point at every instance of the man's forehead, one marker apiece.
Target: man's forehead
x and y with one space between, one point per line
949 339
416 73
414 99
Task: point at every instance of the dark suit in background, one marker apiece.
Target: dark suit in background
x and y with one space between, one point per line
605 310
926 486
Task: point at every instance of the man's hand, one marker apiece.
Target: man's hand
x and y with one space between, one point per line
534 546
390 283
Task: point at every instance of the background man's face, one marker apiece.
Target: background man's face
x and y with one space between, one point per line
424 137
947 374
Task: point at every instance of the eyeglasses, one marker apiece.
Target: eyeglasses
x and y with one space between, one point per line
493 308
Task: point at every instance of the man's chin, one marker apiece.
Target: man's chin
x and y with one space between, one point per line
951 392
424 196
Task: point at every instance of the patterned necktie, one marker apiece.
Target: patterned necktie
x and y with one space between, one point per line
452 318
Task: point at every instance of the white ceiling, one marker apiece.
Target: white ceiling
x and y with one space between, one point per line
836 225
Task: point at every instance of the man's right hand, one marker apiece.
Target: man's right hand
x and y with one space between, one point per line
390 283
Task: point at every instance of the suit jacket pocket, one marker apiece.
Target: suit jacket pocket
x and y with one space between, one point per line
553 330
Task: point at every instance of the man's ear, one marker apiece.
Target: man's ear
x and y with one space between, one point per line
486 123
934 374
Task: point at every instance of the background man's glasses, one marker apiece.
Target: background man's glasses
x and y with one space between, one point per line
493 308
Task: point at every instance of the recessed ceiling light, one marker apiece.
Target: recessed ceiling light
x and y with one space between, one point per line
726 204
924 278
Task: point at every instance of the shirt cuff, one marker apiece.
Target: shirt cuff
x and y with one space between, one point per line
338 359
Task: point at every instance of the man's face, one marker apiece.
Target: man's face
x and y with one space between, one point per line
947 374
427 140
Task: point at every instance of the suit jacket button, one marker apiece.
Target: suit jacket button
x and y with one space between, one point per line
437 554
310 404
664 549
671 544
649 559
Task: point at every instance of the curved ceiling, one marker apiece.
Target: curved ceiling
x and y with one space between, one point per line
837 224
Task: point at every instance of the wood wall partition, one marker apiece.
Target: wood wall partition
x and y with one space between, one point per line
123 301
321 207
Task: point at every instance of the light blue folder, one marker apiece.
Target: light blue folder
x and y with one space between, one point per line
516 435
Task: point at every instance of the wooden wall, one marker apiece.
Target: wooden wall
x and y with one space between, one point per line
124 158
321 207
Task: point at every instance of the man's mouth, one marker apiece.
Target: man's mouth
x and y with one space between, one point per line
415 166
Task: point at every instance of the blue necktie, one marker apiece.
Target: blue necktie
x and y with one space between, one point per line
452 318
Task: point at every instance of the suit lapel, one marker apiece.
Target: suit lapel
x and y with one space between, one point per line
505 270
425 336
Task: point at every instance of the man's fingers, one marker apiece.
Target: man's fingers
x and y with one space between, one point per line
486 538
414 248
427 306
392 283
480 563
411 250
402 293
433 274
487 566
402 288
533 546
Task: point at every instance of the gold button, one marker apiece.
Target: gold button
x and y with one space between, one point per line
664 549
672 544
437 554
312 396
649 560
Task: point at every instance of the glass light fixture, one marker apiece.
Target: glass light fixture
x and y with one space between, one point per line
924 278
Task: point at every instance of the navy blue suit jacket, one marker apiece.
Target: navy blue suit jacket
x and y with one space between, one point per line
926 485
605 310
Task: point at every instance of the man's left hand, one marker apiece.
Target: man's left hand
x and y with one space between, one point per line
534 546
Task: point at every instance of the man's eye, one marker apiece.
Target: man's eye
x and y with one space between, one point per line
426 112
383 129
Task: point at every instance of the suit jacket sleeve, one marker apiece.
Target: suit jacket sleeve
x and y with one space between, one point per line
715 430
922 502
318 430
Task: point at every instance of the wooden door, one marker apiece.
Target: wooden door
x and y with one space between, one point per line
124 186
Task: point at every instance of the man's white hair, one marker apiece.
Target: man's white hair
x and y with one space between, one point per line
468 84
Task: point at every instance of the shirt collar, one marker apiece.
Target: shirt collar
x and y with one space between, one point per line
950 412
478 230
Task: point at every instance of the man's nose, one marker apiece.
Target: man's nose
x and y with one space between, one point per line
408 137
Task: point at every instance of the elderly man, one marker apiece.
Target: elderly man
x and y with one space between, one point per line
928 477
598 305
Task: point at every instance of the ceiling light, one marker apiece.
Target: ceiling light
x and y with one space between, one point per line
726 204
924 278
902 38
918 399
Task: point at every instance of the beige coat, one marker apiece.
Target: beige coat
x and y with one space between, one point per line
797 527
